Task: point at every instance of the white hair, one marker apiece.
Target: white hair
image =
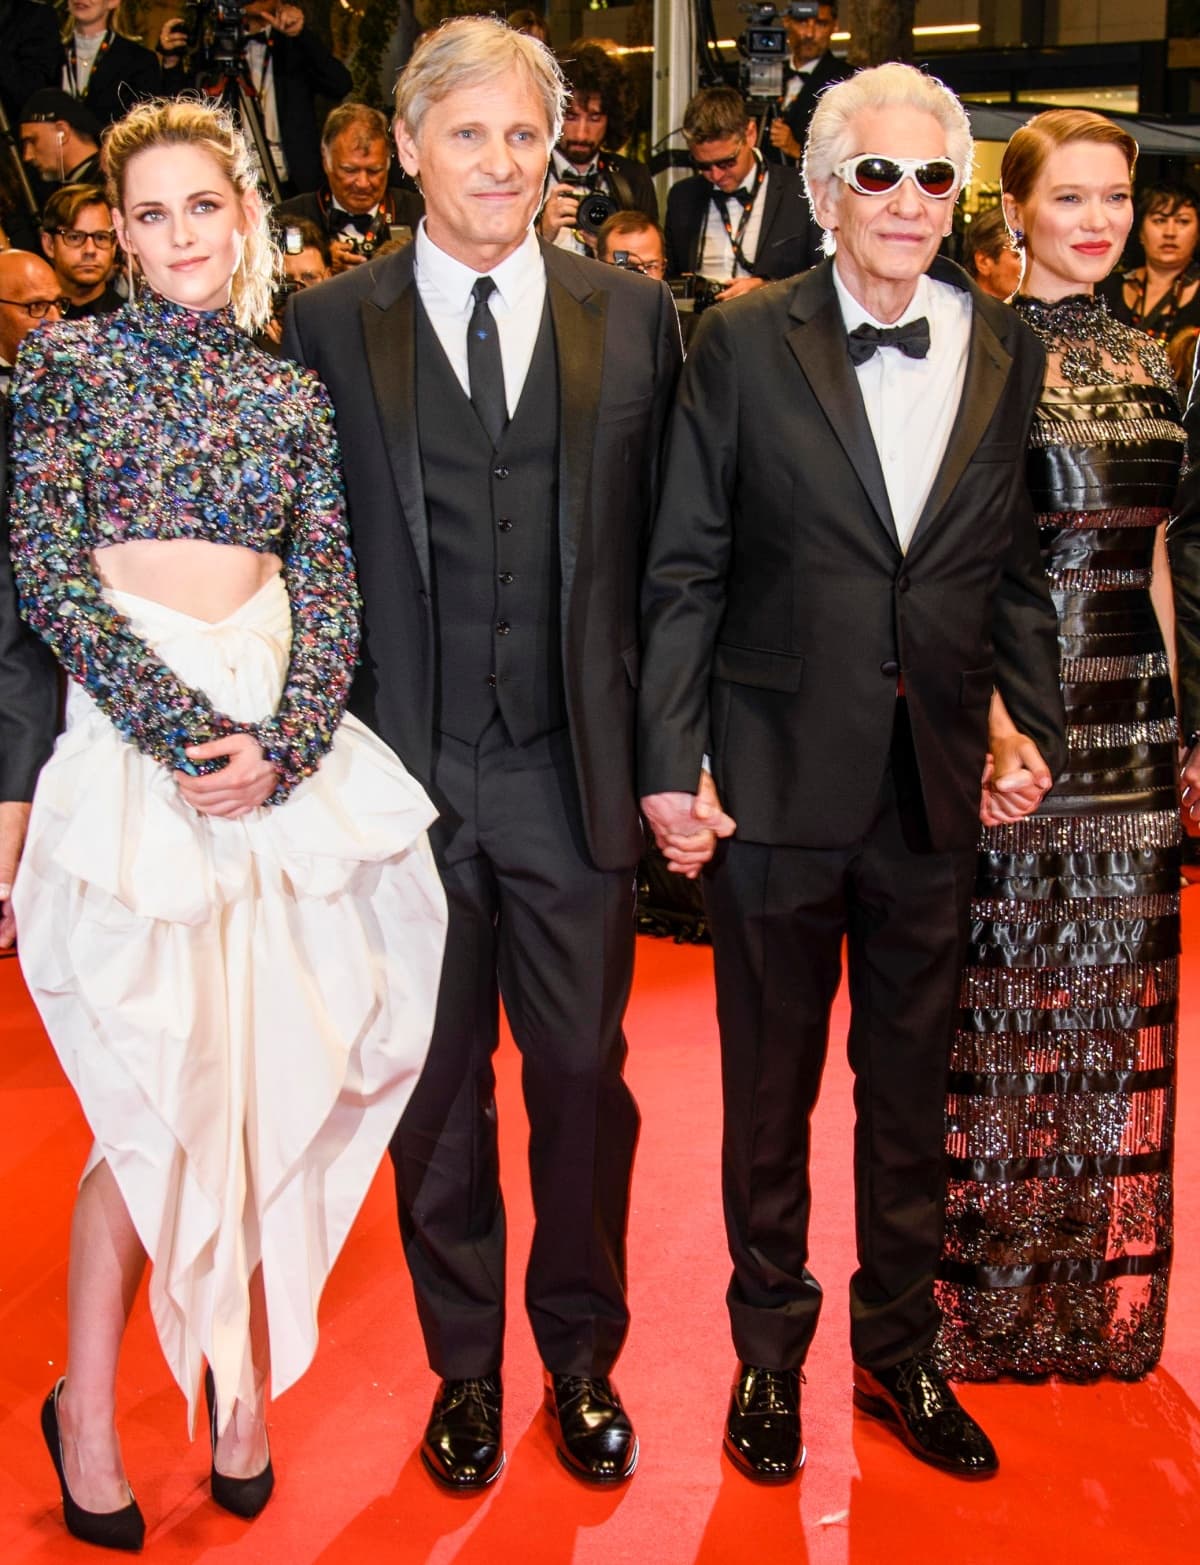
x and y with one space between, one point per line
881 87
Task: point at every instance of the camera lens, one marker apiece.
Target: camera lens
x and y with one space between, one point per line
594 211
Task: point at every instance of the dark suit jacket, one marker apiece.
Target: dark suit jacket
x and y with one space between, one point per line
617 339
124 73
828 69
28 679
31 54
789 240
779 608
304 70
408 206
633 184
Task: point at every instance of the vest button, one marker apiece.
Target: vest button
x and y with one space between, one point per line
902 583
504 525
500 472
490 681
505 578
890 669
503 628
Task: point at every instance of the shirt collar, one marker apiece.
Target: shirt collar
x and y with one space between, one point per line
565 166
514 277
853 313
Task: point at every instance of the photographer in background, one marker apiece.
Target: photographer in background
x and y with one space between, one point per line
289 68
814 66
631 240
306 261
355 207
989 257
60 139
599 115
80 243
736 222
105 68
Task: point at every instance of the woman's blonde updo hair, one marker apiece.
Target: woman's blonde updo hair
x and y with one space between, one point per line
184 122
1026 154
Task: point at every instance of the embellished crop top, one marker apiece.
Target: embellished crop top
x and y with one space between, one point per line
160 422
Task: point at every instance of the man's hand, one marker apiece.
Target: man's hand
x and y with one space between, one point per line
247 781
781 137
14 818
172 39
343 255
739 286
1015 780
686 826
288 19
560 211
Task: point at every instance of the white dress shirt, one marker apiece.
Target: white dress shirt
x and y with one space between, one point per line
445 285
715 257
912 403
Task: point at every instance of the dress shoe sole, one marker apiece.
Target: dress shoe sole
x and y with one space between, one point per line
879 1408
463 1490
748 1470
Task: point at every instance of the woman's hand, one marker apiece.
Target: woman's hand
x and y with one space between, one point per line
13 820
247 781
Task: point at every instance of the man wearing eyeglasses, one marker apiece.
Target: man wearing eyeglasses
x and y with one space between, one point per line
29 293
843 570
735 220
80 243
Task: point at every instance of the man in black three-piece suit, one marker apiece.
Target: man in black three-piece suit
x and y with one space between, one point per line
500 405
844 567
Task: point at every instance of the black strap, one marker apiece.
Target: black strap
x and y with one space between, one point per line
485 367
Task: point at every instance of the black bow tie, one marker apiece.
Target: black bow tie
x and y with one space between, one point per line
363 221
723 197
912 339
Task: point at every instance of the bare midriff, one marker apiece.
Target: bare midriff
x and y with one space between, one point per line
207 580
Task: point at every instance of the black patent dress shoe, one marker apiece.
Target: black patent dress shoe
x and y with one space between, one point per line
762 1430
462 1450
123 1529
244 1497
915 1400
595 1440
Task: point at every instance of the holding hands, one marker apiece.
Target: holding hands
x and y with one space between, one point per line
686 826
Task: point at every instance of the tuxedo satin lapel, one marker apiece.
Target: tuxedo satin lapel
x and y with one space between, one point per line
771 204
988 364
819 345
390 336
579 317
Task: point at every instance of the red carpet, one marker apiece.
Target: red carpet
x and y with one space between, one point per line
1090 1474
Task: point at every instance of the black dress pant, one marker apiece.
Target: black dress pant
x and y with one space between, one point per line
779 916
534 923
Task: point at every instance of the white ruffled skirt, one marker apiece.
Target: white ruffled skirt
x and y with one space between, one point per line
243 1007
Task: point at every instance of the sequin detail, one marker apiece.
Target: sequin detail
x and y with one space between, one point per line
1061 1102
1090 347
159 422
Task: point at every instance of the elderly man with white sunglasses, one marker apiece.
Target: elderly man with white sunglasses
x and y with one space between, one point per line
843 571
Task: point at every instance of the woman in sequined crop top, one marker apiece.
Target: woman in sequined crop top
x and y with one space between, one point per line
241 996
1060 1113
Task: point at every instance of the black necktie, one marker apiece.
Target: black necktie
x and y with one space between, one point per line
912 339
485 367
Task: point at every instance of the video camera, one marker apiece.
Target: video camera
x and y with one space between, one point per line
216 32
764 48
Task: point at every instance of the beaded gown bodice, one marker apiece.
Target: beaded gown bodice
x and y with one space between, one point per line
1061 1096
160 422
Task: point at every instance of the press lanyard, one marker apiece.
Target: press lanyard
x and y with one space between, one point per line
735 240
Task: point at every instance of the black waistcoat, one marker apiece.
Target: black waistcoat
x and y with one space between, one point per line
493 535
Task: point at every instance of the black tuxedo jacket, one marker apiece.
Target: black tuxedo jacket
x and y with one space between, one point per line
617 340
1183 543
789 240
779 609
633 184
124 73
28 678
828 69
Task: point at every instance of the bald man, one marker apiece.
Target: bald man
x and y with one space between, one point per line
28 683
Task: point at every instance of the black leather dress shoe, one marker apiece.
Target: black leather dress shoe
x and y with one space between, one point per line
462 1447
762 1430
914 1398
595 1440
